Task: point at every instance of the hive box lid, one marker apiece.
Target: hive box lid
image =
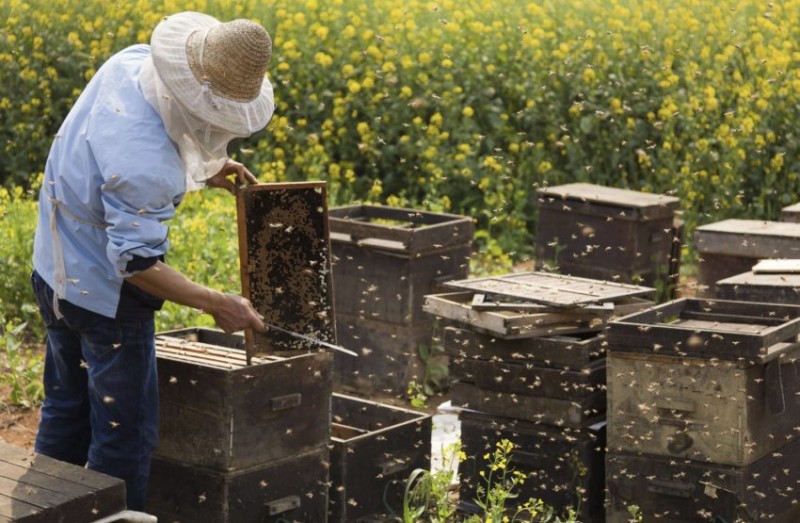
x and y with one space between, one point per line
618 203
284 253
749 238
557 290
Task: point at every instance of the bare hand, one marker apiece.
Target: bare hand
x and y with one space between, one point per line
234 313
221 181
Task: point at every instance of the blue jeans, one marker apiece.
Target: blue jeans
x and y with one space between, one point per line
101 392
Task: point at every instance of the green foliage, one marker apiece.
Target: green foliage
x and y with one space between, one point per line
469 107
22 371
427 495
18 215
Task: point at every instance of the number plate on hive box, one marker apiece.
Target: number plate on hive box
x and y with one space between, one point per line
284 252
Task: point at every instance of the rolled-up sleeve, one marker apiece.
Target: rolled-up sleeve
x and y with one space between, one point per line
134 214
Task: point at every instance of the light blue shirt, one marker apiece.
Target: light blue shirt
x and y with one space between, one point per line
113 177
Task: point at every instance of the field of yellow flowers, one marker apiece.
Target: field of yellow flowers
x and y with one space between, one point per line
465 106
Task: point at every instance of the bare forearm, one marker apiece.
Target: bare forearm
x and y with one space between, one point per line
231 312
167 283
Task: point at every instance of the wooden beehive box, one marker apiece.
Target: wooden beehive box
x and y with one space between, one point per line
38 489
388 356
563 467
374 449
290 489
220 413
706 329
791 213
573 412
560 352
678 491
779 285
285 263
731 247
608 233
724 412
387 259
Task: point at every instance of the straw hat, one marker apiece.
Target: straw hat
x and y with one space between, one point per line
216 70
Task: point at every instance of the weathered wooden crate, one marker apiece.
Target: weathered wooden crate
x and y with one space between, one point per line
561 352
526 379
724 412
535 304
673 490
706 329
731 247
387 259
572 412
375 448
38 489
388 355
220 413
607 233
769 287
285 263
791 213
562 467
294 489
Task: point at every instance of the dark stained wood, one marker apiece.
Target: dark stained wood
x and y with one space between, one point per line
527 379
389 355
731 330
373 453
38 489
575 413
234 416
562 352
291 489
416 231
768 288
285 263
564 467
675 490
610 234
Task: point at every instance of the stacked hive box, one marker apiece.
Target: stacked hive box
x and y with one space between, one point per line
385 261
240 443
610 234
791 213
245 420
731 247
702 412
771 281
533 374
374 450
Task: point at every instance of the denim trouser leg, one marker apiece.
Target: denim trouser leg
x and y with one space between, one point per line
101 393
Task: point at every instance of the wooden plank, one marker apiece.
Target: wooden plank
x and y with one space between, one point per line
284 251
481 302
508 324
527 379
563 352
575 413
551 289
786 266
35 488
